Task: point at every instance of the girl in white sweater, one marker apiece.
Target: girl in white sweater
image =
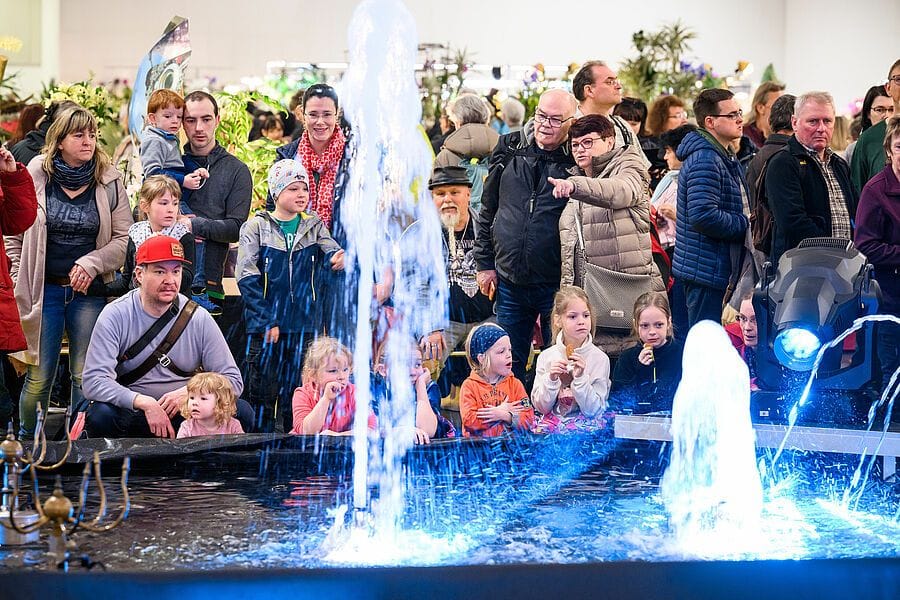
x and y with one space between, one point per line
571 385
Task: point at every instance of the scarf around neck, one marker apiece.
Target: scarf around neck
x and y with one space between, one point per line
72 178
321 186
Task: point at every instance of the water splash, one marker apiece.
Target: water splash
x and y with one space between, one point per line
394 237
712 487
853 492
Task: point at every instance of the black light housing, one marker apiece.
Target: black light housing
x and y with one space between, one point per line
817 292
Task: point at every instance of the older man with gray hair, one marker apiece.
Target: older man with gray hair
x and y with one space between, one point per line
517 247
808 185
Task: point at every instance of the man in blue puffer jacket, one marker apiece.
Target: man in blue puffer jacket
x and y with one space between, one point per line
712 215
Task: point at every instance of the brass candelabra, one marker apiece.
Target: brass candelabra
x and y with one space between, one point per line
57 512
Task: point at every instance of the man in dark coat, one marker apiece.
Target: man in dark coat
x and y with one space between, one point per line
808 185
517 250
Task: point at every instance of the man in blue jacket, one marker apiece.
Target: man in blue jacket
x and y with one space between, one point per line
712 206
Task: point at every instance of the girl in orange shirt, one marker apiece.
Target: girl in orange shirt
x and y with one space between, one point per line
491 400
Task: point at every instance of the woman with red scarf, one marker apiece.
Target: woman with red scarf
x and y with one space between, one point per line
321 150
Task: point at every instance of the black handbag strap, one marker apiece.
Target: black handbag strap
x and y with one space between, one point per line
136 348
159 356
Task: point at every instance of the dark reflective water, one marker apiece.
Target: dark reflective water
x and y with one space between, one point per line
561 502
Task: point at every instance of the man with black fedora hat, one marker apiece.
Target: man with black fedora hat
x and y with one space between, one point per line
450 189
145 347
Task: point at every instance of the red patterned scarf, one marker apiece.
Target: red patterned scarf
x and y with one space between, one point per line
321 193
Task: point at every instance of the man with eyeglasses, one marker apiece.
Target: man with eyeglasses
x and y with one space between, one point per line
517 248
808 185
712 208
869 157
598 91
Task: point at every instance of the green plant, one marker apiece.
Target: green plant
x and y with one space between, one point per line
234 129
660 67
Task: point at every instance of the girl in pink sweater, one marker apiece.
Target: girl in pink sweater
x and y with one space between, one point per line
210 407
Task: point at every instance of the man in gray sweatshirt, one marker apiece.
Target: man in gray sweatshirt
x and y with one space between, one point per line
150 406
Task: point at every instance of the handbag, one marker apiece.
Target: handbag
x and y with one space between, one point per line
612 294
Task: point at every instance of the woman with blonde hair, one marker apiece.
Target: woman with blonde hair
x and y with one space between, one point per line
756 125
61 263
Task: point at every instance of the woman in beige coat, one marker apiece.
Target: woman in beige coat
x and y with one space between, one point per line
75 245
611 185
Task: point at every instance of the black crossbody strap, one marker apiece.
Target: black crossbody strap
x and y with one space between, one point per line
159 356
138 347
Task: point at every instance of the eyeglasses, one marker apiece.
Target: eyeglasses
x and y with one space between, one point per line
894 79
679 115
325 116
734 116
586 143
610 81
554 122
881 110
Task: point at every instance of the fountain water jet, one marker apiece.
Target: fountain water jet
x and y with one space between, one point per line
712 484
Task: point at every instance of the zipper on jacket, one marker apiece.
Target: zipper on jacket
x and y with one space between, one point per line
312 278
266 277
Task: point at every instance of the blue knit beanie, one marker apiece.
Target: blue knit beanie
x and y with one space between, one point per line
483 338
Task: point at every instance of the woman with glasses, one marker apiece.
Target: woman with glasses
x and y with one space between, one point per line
665 114
876 107
60 264
614 208
321 148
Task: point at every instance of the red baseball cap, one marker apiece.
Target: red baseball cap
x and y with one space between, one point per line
160 248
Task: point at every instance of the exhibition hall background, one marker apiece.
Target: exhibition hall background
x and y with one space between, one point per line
841 46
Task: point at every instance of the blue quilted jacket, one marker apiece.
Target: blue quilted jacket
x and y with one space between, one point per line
710 214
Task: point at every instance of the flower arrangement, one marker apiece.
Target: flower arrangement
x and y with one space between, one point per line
94 98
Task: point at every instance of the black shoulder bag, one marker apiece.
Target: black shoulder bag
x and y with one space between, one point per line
159 355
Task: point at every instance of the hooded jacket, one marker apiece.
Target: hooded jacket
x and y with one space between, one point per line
18 208
518 226
477 393
31 145
472 140
591 390
710 211
278 284
615 214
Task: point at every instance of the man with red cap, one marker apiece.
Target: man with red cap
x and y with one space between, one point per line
135 381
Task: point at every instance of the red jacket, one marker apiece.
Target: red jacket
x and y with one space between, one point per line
18 208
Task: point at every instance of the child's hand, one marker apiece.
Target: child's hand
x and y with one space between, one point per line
646 355
271 336
332 390
422 381
337 261
203 173
186 221
578 365
560 367
193 181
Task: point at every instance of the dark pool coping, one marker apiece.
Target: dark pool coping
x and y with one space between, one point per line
756 580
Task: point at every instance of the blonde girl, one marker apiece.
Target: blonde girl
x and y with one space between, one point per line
326 402
491 400
210 407
160 198
571 384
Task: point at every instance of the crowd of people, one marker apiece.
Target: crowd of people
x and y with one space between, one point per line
599 231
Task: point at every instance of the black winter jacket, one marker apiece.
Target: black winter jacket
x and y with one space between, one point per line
518 226
798 197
